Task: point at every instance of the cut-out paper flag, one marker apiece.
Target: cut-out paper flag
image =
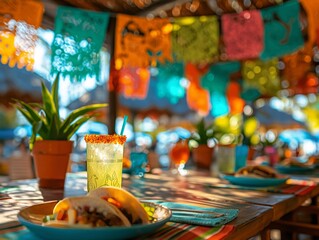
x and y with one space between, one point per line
19 21
262 75
297 65
134 82
152 101
235 102
249 93
243 34
282 30
194 74
195 39
140 42
312 14
79 36
216 82
171 82
9 10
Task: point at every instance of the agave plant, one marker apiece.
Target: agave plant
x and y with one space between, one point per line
45 118
203 133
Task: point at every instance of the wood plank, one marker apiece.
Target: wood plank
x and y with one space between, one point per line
252 218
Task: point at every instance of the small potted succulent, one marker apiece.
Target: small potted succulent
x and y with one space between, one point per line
199 140
50 142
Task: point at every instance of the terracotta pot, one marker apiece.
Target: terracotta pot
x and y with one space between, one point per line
202 156
51 159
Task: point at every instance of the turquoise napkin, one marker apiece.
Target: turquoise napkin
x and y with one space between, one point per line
204 219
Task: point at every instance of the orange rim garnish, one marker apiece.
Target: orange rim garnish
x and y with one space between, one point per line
114 138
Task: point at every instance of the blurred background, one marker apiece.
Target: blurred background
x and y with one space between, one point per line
255 101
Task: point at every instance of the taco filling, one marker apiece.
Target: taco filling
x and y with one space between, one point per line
125 212
85 212
130 206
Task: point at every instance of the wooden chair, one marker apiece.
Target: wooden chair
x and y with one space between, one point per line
20 165
303 220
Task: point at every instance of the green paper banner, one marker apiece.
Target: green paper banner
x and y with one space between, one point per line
216 82
282 30
79 36
169 82
195 39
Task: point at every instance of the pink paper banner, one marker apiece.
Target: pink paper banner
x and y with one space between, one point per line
243 34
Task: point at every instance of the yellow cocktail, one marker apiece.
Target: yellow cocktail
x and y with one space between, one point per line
104 160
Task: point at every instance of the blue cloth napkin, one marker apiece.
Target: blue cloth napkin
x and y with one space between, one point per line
204 219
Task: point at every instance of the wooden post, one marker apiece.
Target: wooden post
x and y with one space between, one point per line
113 78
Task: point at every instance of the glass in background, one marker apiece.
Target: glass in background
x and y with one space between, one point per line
225 159
179 155
138 163
241 154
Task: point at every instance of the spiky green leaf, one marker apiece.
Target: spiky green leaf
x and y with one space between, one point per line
80 112
48 103
55 93
76 125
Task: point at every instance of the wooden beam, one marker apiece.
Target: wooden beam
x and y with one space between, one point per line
114 78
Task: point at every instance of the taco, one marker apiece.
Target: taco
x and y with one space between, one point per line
124 201
85 211
257 172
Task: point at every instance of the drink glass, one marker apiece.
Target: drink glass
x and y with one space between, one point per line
104 160
179 155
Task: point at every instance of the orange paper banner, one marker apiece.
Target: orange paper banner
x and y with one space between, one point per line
134 82
300 62
140 42
201 104
18 34
236 104
312 11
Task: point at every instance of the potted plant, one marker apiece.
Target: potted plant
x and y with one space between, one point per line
202 153
50 142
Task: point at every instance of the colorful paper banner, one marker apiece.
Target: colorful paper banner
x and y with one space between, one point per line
312 15
19 21
79 36
216 82
195 39
194 74
243 34
262 75
140 42
301 63
9 10
152 101
282 30
170 79
134 82
235 102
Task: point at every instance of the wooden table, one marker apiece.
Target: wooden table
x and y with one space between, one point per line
257 209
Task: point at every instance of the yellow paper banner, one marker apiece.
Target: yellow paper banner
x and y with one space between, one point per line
262 75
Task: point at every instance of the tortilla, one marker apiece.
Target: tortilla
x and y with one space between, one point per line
259 171
86 211
125 201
